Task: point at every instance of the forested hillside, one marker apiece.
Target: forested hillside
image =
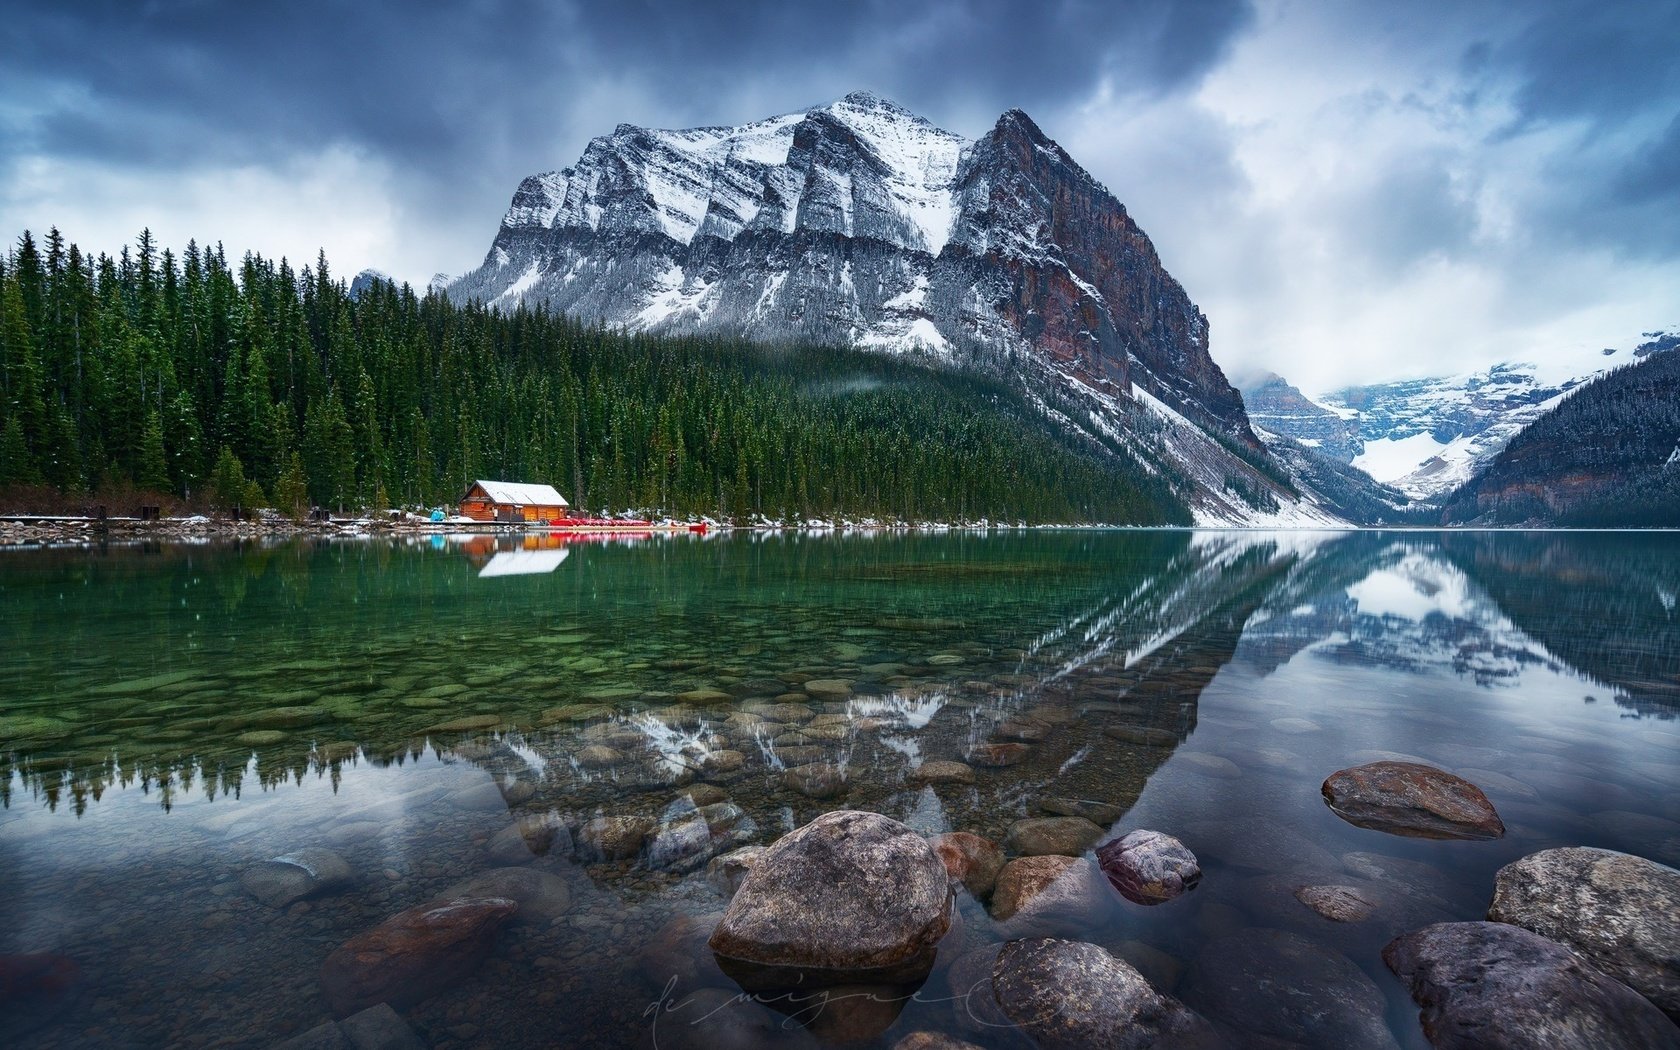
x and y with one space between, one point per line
1608 455
218 384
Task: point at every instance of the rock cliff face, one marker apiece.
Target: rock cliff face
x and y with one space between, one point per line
861 223
1276 406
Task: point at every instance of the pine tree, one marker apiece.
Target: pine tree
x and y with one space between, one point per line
227 482
152 472
291 491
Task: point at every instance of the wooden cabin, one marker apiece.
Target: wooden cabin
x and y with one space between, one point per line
510 501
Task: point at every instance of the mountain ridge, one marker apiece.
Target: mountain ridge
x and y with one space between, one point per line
859 223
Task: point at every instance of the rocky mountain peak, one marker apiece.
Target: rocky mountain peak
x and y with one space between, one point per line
859 222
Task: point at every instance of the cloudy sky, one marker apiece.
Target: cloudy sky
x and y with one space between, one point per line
1350 191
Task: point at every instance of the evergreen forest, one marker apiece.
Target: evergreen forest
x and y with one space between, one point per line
210 385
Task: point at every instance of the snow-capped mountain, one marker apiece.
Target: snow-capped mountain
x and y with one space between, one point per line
365 280
860 223
1426 437
1276 406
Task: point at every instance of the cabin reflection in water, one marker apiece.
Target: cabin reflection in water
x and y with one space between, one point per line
514 555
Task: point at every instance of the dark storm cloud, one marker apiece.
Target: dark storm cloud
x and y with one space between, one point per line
1321 176
1594 60
443 85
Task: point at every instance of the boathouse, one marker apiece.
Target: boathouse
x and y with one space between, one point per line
510 501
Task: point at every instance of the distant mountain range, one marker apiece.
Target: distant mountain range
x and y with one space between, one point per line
859 223
1607 455
1427 437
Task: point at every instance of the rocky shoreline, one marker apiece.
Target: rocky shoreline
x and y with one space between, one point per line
830 931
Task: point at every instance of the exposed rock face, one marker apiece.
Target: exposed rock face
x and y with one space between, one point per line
851 897
1621 912
1149 867
1490 985
1286 987
1074 995
1274 405
1407 798
413 954
860 222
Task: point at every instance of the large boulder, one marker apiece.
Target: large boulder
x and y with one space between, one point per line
1620 911
413 954
1072 995
1499 987
1409 798
1149 867
1286 987
850 898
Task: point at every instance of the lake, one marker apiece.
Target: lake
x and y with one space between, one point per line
611 715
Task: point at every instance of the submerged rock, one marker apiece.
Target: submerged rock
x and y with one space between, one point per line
1043 836
1283 986
970 859
1032 888
1149 867
614 837
541 897
1620 911
942 773
1406 798
1068 994
531 835
933 1041
1491 985
380 1028
727 871
997 756
294 876
818 780
413 954
1143 736
1338 903
852 897
1104 813
692 837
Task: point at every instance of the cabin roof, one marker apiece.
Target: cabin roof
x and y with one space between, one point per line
512 492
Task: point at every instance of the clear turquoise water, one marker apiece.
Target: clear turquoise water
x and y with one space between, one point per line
172 715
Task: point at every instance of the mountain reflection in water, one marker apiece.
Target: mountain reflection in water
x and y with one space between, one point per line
172 716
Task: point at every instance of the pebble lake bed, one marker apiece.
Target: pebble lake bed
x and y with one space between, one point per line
898 789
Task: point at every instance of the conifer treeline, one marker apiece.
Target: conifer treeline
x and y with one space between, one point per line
265 383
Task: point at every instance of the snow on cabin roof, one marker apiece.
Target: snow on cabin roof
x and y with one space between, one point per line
514 493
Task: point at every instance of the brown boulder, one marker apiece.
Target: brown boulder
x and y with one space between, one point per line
413 954
850 898
1408 798
970 860
1030 886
